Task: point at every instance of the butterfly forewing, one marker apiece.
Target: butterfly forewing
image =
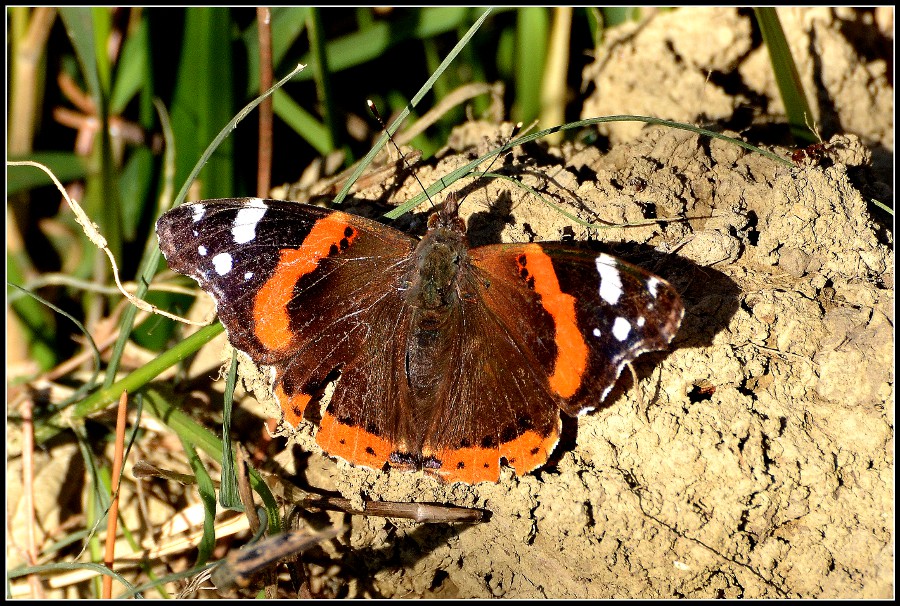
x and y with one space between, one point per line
293 283
592 314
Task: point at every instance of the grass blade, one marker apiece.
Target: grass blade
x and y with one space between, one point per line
795 104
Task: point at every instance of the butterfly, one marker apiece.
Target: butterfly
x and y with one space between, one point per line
449 358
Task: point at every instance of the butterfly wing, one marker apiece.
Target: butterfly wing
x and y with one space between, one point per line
545 327
308 291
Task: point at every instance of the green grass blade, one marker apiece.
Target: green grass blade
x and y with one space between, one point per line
795 103
372 42
188 429
533 27
44 569
228 490
107 395
304 123
132 70
203 99
208 497
322 75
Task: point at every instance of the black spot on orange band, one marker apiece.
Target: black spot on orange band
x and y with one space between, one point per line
353 443
529 451
469 465
292 406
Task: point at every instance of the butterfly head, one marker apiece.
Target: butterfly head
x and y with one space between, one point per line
447 217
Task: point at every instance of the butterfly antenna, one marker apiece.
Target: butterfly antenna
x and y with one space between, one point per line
384 127
503 149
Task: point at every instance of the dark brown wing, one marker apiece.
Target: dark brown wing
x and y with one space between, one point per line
307 291
543 327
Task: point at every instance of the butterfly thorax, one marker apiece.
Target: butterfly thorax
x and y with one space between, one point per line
434 296
433 289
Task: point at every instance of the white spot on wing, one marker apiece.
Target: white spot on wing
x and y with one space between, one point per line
248 275
610 280
621 328
199 210
244 228
222 262
653 285
641 321
597 332
201 250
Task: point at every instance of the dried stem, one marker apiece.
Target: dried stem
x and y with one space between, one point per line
37 591
112 517
264 165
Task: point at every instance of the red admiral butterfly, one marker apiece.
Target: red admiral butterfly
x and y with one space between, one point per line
451 358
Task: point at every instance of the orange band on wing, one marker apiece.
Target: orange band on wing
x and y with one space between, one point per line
354 444
529 451
293 406
469 465
472 465
571 350
272 324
